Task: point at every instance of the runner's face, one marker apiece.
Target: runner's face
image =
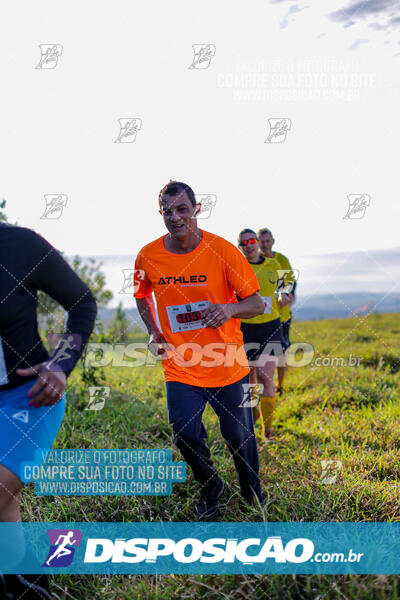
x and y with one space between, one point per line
251 251
177 212
266 243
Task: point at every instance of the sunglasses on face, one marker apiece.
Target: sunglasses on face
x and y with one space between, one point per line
249 241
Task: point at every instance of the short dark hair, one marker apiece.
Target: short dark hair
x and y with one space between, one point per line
173 188
247 230
265 230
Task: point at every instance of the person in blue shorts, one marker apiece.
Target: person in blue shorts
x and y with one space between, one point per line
32 382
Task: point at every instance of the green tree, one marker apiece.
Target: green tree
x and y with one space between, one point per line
3 217
52 317
119 326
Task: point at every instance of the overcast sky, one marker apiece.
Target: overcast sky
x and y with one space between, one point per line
332 74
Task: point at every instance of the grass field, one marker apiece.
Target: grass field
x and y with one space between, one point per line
338 413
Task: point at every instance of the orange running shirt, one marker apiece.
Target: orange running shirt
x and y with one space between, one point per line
183 285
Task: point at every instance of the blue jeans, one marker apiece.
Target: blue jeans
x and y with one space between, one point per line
186 404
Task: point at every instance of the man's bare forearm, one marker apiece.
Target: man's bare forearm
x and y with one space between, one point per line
147 311
252 306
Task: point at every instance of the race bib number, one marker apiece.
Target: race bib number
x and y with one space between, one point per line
184 317
3 368
268 304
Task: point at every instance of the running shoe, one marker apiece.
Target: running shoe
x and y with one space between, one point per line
207 506
254 500
270 438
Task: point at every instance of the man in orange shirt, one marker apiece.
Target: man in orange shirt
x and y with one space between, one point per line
194 275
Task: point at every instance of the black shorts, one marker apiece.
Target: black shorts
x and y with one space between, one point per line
285 334
268 336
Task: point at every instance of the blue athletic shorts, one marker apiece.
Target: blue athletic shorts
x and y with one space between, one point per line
25 429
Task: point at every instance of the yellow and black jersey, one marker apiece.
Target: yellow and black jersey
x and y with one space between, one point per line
287 277
267 275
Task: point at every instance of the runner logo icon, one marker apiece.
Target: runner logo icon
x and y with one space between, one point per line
62 547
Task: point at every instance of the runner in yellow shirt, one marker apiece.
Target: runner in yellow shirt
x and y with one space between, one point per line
288 283
263 334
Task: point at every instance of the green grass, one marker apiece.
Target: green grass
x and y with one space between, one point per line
347 414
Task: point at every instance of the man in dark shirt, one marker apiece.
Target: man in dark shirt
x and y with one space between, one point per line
32 383
28 263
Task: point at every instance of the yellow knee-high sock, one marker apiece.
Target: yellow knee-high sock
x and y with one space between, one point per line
255 397
256 413
267 405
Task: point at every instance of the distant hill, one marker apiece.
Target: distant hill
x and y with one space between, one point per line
313 307
334 306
